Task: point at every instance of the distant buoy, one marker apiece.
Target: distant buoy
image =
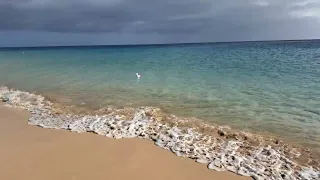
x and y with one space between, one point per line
138 75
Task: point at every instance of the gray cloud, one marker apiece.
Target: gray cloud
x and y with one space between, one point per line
175 20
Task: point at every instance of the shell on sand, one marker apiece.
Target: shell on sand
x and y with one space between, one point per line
259 162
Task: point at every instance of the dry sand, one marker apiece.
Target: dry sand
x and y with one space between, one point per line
32 153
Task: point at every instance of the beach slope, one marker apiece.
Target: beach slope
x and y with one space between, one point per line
29 152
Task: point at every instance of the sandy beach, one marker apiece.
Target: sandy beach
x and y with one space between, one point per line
29 152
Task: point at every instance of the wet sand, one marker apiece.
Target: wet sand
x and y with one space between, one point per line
29 152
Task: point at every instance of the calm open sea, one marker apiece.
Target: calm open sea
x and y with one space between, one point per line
265 86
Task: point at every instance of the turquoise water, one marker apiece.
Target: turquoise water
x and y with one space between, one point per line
265 86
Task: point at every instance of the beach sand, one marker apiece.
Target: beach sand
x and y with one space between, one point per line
29 152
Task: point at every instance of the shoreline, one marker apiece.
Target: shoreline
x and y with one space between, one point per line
64 105
39 153
303 134
230 152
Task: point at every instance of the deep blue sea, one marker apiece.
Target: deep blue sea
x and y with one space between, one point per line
262 86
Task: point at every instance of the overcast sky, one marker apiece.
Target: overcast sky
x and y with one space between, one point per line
87 22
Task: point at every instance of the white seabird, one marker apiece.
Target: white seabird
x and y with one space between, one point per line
138 75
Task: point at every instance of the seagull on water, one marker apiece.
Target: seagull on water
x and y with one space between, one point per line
138 75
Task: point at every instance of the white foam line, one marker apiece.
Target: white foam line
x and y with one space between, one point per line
263 163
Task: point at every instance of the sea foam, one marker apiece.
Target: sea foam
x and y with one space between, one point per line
258 162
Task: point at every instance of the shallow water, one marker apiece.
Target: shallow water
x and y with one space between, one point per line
267 86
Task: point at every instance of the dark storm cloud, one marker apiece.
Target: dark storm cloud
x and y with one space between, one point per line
191 20
92 16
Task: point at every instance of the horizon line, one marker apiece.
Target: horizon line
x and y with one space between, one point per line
159 44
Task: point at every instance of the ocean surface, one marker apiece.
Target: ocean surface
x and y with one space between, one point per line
261 86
